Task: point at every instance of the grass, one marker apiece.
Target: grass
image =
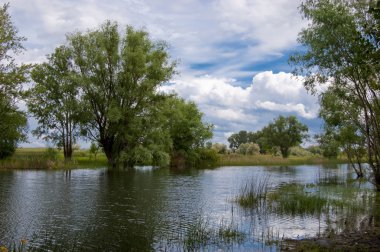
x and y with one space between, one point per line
296 199
254 192
45 158
235 159
201 234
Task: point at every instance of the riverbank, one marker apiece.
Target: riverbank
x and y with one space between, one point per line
362 240
253 160
45 158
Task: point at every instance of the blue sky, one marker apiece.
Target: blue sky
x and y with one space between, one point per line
232 53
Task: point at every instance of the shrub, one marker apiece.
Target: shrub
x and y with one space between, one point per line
248 149
219 148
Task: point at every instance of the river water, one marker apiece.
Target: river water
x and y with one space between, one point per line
148 209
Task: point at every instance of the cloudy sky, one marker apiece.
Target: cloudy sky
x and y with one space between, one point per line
233 53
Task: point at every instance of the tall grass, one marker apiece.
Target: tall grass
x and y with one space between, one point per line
201 234
235 159
253 192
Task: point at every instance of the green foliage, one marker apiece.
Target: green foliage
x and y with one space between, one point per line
94 149
13 122
315 150
342 48
285 132
248 149
119 76
55 102
220 148
299 151
186 130
13 126
51 154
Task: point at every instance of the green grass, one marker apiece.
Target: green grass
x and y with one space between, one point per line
235 159
41 158
201 234
254 192
296 199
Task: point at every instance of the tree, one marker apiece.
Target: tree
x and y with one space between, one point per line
342 48
119 76
12 127
285 132
94 149
187 131
55 102
13 122
337 110
237 139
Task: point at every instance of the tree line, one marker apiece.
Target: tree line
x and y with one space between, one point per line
104 86
281 134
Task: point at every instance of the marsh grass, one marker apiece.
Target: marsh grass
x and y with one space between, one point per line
253 192
201 235
296 199
235 159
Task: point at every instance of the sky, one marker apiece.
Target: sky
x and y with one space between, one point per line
232 54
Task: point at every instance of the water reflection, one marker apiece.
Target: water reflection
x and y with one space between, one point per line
153 209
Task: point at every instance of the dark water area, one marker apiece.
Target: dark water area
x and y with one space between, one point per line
149 209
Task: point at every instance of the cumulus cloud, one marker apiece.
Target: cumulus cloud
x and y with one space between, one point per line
232 108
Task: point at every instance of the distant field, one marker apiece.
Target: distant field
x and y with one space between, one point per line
41 158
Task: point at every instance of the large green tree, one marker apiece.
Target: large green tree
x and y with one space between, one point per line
342 48
186 130
54 100
284 133
13 122
119 76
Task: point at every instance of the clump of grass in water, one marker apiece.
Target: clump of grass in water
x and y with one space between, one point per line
229 233
254 192
201 234
292 199
198 235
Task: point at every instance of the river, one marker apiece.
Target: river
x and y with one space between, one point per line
149 209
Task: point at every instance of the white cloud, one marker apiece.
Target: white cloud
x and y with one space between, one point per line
232 108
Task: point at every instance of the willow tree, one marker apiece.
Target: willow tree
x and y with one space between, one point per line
342 48
119 76
54 100
13 122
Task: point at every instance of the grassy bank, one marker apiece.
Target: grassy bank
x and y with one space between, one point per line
235 159
44 158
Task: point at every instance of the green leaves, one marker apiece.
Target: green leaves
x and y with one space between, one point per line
285 132
13 122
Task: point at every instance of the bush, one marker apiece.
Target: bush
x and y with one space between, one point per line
219 148
248 149
299 151
51 154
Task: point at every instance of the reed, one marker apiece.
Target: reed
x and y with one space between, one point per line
253 192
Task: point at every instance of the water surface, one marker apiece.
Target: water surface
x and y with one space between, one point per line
150 209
